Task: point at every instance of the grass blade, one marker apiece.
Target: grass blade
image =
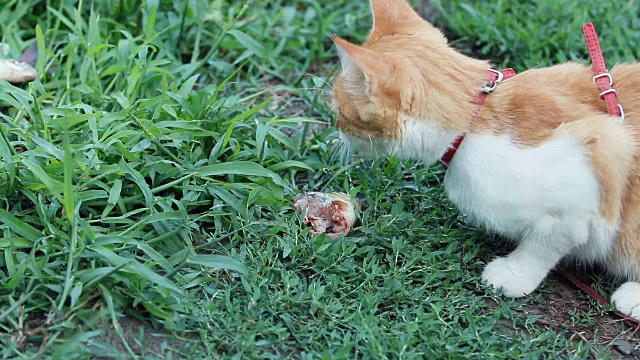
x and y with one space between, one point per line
19 226
218 262
245 168
250 44
52 185
7 156
69 196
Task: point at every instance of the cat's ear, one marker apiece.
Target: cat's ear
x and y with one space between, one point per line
391 15
398 17
345 50
357 60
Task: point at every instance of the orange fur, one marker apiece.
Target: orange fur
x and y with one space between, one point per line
406 69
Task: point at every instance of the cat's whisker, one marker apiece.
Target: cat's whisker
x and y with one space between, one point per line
375 148
324 81
345 155
321 90
344 151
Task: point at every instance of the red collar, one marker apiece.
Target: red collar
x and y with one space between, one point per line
494 77
602 79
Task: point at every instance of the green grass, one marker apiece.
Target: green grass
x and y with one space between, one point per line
531 34
148 173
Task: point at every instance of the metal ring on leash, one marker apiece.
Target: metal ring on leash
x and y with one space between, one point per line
603 75
621 112
608 91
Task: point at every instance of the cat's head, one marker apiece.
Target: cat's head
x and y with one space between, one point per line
404 91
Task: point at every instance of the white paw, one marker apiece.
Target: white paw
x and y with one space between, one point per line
514 281
627 299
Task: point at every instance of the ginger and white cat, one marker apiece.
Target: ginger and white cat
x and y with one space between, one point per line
542 163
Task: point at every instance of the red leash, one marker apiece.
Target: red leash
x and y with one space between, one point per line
627 320
602 77
604 80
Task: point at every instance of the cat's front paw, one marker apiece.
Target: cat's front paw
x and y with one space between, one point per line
627 299
514 281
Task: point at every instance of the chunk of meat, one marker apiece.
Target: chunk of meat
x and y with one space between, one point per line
331 213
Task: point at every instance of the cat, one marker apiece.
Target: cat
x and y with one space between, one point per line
542 163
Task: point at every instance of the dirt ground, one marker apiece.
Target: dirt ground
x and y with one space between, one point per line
143 339
562 306
563 303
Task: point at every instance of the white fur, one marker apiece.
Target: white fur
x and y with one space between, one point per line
627 299
515 277
625 268
546 198
510 189
421 140
601 239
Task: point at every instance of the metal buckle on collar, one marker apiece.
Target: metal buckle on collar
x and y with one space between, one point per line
603 75
489 88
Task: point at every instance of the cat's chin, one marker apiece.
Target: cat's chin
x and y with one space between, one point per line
370 148
421 140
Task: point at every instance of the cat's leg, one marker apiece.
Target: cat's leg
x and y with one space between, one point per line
627 299
624 262
567 232
520 273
